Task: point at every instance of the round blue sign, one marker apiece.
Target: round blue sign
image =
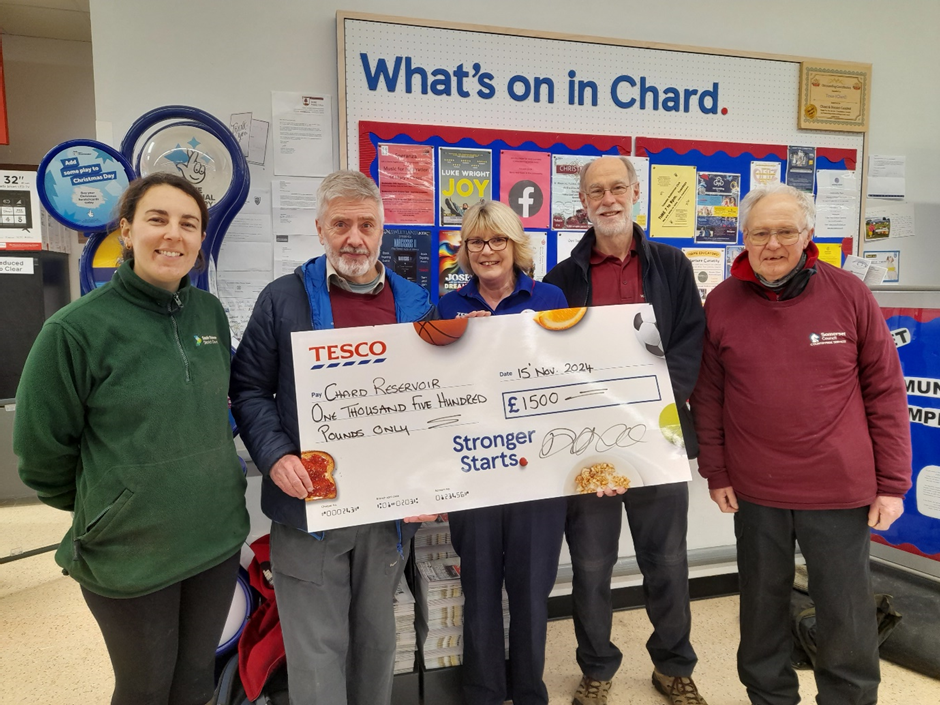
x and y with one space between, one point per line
80 183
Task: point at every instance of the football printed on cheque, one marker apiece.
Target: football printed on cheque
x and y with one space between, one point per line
644 323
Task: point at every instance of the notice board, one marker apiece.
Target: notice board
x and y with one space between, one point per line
408 85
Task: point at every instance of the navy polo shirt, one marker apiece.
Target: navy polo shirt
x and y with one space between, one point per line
528 295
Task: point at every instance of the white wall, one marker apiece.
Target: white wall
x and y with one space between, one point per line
50 93
149 54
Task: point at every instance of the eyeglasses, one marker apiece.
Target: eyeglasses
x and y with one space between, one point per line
596 193
476 244
786 236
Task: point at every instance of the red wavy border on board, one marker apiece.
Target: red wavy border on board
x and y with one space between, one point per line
922 315
906 547
837 154
482 136
653 145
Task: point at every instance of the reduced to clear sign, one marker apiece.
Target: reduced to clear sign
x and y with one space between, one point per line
17 265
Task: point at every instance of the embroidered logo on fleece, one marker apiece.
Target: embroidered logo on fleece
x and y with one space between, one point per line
205 340
827 338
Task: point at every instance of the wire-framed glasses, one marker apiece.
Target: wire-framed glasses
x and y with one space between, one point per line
785 236
596 193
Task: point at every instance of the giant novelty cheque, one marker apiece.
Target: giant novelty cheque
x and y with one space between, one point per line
423 418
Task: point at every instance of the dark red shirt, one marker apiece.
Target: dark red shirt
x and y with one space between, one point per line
352 310
616 281
801 404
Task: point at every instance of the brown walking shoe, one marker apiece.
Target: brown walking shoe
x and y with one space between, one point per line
679 689
591 692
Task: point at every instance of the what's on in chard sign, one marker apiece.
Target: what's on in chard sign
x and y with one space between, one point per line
403 73
481 77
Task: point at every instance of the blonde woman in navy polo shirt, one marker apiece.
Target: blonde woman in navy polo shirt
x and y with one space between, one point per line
518 543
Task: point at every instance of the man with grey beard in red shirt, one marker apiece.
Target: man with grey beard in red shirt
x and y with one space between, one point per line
801 415
615 263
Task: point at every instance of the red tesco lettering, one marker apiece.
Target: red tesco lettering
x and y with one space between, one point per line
347 351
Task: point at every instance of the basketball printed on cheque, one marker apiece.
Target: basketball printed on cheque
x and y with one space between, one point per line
443 332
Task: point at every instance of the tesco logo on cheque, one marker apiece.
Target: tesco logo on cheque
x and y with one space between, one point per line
346 354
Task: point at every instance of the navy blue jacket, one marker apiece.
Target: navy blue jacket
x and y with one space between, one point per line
669 285
528 295
264 400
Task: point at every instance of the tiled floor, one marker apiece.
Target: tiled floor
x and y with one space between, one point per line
51 652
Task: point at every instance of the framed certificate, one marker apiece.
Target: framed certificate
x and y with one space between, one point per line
834 96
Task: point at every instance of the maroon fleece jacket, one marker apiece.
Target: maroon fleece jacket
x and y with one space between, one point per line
800 404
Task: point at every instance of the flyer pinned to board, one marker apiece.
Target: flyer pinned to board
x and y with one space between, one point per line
424 418
568 213
525 186
406 182
716 212
672 201
466 178
450 275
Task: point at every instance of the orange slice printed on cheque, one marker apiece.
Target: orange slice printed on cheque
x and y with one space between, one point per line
560 318
319 467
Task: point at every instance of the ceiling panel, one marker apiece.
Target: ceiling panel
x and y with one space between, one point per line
79 5
51 19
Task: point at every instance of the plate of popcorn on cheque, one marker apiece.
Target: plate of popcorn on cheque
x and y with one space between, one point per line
599 472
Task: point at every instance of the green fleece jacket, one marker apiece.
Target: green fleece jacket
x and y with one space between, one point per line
122 418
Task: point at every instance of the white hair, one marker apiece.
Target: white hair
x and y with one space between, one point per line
803 200
631 170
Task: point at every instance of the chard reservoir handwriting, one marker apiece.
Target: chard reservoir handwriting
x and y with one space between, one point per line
380 386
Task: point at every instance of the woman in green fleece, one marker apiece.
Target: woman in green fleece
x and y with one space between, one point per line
122 419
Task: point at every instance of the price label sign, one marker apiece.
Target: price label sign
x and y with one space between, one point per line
431 417
19 211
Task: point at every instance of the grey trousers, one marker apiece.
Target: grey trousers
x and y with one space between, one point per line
335 600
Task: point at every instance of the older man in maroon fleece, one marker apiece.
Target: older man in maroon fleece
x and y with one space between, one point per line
801 416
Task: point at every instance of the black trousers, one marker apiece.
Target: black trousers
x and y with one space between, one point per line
835 544
162 645
658 517
519 543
